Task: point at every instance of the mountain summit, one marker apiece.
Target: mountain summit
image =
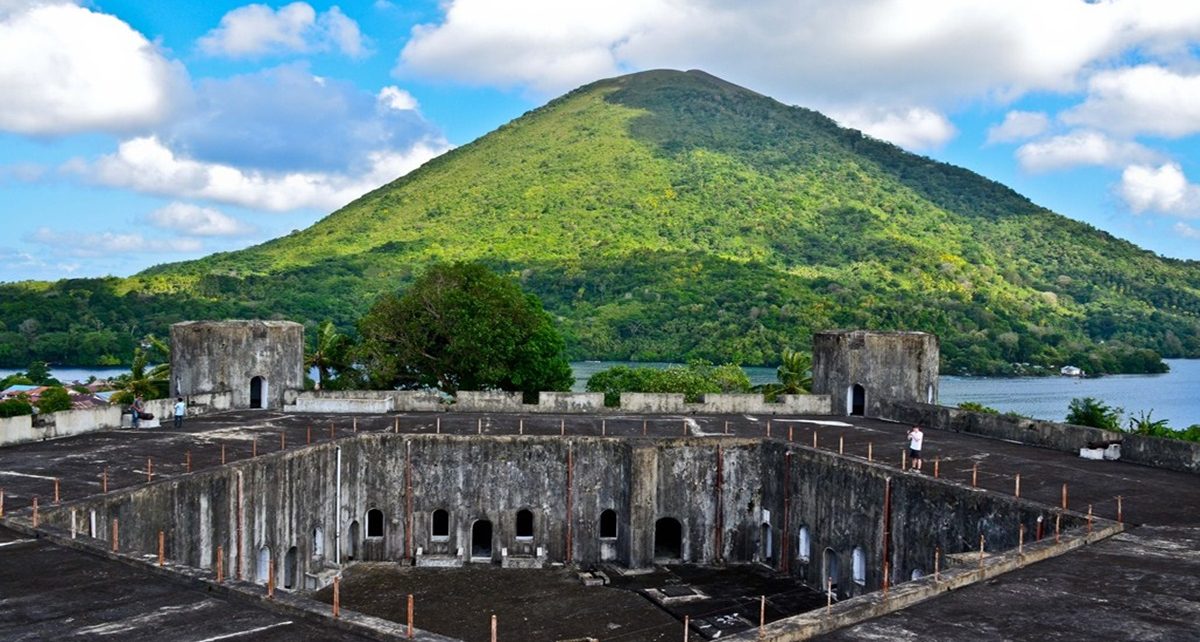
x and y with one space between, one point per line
669 215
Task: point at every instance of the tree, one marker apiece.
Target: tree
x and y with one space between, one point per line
14 407
151 382
54 399
794 375
330 353
694 380
460 326
1088 411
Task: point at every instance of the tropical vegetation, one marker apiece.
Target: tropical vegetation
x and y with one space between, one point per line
694 380
673 216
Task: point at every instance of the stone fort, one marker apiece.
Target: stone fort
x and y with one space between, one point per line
810 488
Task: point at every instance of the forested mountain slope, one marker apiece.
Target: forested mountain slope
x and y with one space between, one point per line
668 215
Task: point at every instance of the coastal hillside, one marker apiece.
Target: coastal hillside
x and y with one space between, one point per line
670 215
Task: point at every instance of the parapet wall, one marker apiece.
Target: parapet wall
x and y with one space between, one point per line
66 423
1171 454
499 401
391 497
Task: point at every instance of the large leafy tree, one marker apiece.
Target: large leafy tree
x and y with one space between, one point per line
149 381
461 326
331 354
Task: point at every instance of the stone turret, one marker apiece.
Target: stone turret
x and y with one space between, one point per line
859 369
256 361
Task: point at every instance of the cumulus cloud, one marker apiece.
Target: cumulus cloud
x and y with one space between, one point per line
147 165
1186 231
194 220
257 30
89 244
286 119
396 98
1081 148
812 52
913 128
66 69
1162 189
1018 125
1145 99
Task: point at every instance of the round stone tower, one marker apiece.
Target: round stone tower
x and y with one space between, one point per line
256 361
861 370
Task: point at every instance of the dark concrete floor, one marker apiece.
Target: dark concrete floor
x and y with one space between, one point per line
48 592
1147 578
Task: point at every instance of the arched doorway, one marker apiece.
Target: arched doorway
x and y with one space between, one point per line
354 541
856 400
668 539
258 391
481 540
829 571
766 548
289 569
263 570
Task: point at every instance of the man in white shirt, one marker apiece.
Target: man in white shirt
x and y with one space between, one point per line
915 439
180 411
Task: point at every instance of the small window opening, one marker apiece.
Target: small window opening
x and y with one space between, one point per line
525 524
608 524
318 541
374 523
441 524
860 565
805 545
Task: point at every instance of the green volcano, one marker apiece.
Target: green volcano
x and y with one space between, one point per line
672 215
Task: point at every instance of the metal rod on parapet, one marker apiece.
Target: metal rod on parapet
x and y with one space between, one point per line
1064 496
562 427
254 446
521 427
828 595
410 616
337 597
768 428
903 460
975 475
885 579
149 469
104 478
1089 518
74 526
726 427
687 623
493 627
937 564
1119 517
870 451
222 454
116 531
162 545
685 428
56 490
396 425
479 426
791 429
936 464
439 425
762 614
981 551
271 579
1039 528
187 461
1021 540
220 564
35 511
1057 524
814 438
1017 489
1 502
355 421
841 445
643 427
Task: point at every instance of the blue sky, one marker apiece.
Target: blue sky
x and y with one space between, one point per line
134 133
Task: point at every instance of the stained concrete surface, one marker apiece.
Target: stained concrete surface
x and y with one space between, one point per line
48 592
1105 585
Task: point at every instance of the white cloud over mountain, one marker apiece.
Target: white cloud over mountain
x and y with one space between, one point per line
67 69
1081 148
90 244
1164 189
1018 125
257 30
193 220
913 128
1147 99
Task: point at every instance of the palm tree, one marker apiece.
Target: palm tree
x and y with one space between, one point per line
794 374
329 353
151 382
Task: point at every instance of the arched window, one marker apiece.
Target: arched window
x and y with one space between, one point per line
859 565
289 569
524 524
804 546
263 570
608 524
374 523
318 541
441 525
917 574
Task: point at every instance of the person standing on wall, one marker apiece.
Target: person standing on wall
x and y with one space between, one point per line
135 411
180 411
915 441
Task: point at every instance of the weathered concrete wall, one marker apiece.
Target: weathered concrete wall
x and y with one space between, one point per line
1171 454
17 430
891 366
570 402
728 496
305 403
74 422
417 401
230 356
488 401
722 404
653 402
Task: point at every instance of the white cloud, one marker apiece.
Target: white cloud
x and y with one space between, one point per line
1081 148
396 98
1145 99
147 165
89 244
913 128
1186 231
1162 189
66 69
811 52
1018 125
194 220
256 30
